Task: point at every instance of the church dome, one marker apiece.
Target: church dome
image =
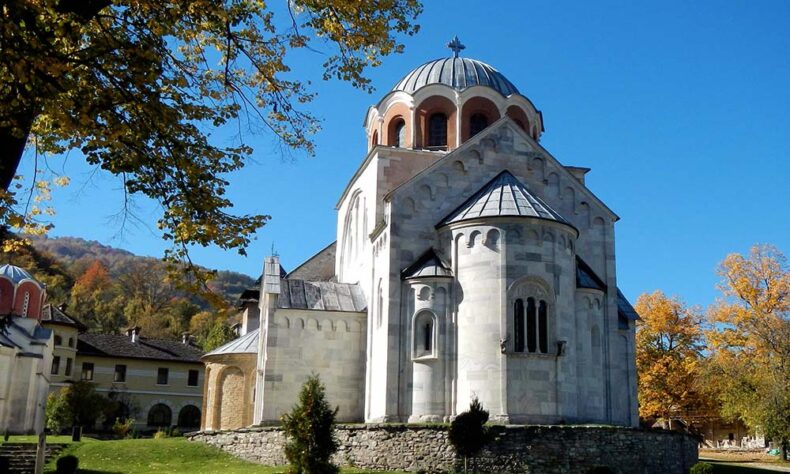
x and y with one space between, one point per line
458 73
15 274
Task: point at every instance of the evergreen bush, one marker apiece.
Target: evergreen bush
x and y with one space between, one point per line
309 431
701 468
67 465
468 433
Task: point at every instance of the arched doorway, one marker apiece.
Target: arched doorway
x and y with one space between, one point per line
189 417
160 416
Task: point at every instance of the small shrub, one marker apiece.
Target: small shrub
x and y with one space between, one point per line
310 432
67 465
702 468
175 432
161 434
123 429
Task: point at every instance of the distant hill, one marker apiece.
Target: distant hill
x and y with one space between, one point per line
75 255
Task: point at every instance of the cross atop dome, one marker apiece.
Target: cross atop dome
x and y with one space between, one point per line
456 46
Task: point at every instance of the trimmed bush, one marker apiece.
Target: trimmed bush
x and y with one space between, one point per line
67 465
701 468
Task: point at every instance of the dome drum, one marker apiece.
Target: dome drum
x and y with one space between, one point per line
451 86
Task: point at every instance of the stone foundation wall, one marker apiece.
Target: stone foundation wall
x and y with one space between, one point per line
532 449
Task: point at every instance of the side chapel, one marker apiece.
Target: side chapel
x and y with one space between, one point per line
469 262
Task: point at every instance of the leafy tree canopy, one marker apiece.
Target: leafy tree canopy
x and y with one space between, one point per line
750 341
669 341
134 85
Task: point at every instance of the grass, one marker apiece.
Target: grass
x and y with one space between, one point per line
170 455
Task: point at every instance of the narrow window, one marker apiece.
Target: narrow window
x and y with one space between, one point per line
544 328
427 336
55 365
437 130
67 373
399 134
380 306
518 325
192 379
161 376
477 123
87 371
26 304
120 373
532 337
58 340
71 342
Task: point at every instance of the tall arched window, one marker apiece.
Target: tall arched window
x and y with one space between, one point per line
477 123
518 325
399 133
379 306
531 325
424 340
437 130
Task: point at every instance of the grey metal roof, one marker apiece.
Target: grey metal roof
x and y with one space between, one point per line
246 344
429 265
458 73
321 296
503 196
53 314
624 308
15 274
586 277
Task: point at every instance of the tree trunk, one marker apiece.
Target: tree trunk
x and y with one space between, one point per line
12 146
784 451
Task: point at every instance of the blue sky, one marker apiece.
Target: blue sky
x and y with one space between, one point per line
681 109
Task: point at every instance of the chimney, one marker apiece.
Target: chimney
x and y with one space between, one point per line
185 338
134 333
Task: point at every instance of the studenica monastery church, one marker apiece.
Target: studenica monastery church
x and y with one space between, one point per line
469 262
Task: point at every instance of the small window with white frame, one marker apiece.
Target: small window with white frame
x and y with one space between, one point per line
424 335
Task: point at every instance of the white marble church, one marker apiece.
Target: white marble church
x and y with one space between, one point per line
469 262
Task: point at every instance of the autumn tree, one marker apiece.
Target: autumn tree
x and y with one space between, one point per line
137 86
669 340
96 301
750 341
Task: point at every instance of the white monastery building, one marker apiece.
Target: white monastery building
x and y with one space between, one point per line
469 262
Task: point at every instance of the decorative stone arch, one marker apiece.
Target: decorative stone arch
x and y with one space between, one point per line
430 107
458 166
531 316
493 238
473 237
374 140
353 231
477 107
229 401
519 117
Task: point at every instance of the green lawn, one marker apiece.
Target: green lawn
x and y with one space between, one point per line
171 455
50 439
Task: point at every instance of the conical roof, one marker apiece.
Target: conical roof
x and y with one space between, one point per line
429 265
503 196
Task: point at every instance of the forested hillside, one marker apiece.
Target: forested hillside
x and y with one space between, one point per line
110 289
